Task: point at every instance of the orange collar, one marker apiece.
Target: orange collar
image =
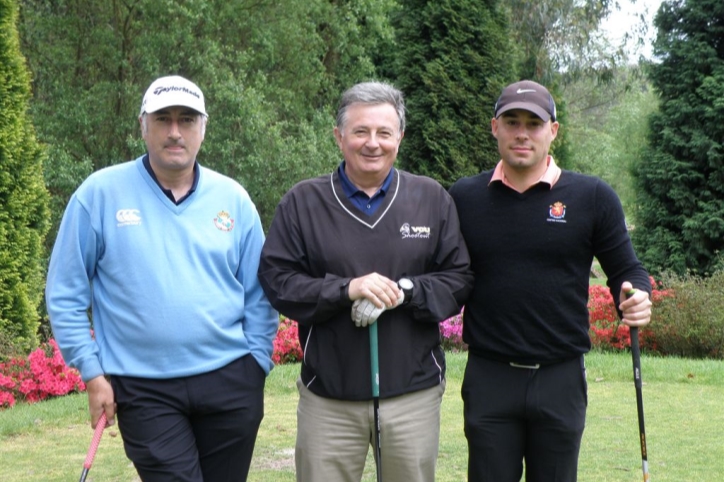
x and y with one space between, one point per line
550 176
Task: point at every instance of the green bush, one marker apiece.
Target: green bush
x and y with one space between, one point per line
690 323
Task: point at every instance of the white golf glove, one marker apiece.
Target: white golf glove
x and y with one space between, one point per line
364 312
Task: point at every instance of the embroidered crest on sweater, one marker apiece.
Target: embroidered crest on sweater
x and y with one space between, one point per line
223 221
557 212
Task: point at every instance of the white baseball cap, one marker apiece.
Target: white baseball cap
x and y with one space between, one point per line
173 91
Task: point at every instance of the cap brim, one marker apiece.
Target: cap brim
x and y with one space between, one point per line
158 108
535 109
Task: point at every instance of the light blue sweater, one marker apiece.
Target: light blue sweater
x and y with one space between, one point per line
173 288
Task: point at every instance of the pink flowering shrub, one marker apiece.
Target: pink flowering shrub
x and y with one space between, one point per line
451 333
41 375
286 343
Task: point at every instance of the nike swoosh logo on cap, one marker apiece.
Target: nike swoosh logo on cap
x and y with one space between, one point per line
523 91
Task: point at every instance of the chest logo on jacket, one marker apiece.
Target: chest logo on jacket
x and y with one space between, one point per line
557 212
128 217
223 221
408 231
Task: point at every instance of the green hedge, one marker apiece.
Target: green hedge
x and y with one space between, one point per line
691 322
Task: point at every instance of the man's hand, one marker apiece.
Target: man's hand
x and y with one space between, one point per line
635 305
365 313
100 399
378 289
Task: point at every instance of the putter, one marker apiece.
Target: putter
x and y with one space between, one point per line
93 446
375 365
636 356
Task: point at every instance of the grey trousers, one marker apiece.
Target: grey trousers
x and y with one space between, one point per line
334 436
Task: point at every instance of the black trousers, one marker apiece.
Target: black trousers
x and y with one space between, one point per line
515 414
192 429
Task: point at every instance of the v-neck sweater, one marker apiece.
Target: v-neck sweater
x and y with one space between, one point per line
532 253
319 240
173 288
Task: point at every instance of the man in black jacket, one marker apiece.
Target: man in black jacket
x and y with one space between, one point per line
367 243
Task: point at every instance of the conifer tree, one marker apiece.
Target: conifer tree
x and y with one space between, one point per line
680 225
23 198
451 61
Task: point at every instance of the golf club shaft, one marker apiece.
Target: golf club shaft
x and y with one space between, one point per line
636 356
375 369
100 426
83 475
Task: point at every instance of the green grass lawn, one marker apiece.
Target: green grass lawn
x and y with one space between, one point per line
684 402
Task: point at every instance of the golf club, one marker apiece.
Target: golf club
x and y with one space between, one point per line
636 355
375 365
100 426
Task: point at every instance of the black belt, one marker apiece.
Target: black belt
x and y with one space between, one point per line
526 365
535 366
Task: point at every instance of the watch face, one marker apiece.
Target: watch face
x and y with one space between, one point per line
405 283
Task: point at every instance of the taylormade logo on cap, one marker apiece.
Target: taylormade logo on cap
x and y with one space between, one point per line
173 91
527 95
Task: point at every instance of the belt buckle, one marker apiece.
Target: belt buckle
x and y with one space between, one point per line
528 367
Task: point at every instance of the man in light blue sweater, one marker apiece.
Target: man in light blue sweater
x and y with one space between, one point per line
165 253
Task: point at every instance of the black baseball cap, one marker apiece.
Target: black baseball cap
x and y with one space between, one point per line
527 95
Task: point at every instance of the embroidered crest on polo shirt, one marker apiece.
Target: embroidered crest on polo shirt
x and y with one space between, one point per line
223 221
408 231
128 217
557 212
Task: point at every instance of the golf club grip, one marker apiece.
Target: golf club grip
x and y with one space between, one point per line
636 356
100 426
374 361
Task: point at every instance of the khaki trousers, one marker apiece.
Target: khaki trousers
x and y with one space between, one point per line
334 436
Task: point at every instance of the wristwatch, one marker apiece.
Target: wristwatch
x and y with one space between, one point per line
406 285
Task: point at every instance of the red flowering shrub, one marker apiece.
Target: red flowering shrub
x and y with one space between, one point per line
7 399
606 330
41 375
44 374
286 343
